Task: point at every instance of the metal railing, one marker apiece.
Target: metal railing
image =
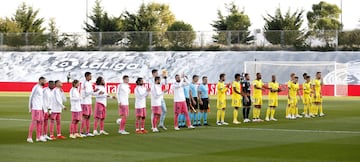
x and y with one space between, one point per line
183 40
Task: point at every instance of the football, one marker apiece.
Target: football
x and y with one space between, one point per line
118 121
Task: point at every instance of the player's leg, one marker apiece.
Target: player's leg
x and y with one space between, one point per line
163 114
52 123
58 127
219 105
102 121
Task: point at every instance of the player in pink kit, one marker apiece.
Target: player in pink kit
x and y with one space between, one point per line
48 99
123 102
156 95
87 92
100 106
36 101
56 109
75 109
180 102
141 92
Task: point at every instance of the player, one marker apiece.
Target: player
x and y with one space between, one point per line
123 103
246 101
56 109
180 102
221 100
87 92
100 106
193 93
48 99
182 119
204 101
156 95
317 99
292 100
75 109
36 101
273 99
141 92
163 82
258 87
236 97
307 97
289 84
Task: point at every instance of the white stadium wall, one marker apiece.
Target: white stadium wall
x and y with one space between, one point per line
29 66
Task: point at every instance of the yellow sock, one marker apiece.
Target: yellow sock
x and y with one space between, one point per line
254 113
321 109
272 113
236 112
306 109
316 109
292 111
312 109
222 115
268 112
259 113
218 114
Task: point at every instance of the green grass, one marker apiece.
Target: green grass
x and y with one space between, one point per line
335 137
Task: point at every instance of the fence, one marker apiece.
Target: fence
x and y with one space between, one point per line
256 40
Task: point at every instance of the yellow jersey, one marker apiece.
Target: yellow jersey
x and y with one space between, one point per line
259 84
294 87
221 91
237 86
273 86
306 89
317 84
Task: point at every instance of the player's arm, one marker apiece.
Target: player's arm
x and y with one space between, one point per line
256 86
31 97
235 91
118 93
199 95
58 98
191 97
73 96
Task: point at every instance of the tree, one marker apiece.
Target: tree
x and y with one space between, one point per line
284 29
233 28
152 17
181 35
53 38
102 22
324 20
350 38
24 28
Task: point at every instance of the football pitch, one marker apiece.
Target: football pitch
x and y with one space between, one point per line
335 137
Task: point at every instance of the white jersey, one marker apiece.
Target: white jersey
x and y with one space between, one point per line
152 82
36 99
87 92
48 98
75 99
178 88
123 94
101 98
156 95
58 98
140 96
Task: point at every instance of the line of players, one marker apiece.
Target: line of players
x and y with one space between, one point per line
312 97
45 104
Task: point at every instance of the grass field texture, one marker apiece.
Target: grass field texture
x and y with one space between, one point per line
335 137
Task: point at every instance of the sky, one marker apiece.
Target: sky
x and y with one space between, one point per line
70 15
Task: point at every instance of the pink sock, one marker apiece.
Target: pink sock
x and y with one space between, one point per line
102 124
153 122
96 123
176 120
122 123
88 125
45 130
31 128
52 122
58 127
137 124
76 129
38 129
83 123
142 123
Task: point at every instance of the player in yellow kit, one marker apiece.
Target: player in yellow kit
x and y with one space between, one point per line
274 88
289 84
307 96
236 97
317 98
292 100
258 87
221 100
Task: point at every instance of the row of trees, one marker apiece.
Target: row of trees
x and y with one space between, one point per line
279 28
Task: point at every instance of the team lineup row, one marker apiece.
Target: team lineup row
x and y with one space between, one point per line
191 103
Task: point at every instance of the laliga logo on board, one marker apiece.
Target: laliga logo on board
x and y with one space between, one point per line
70 63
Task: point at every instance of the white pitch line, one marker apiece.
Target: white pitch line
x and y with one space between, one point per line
293 130
236 128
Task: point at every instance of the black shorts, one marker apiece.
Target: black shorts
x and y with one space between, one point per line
205 104
187 103
246 103
196 105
